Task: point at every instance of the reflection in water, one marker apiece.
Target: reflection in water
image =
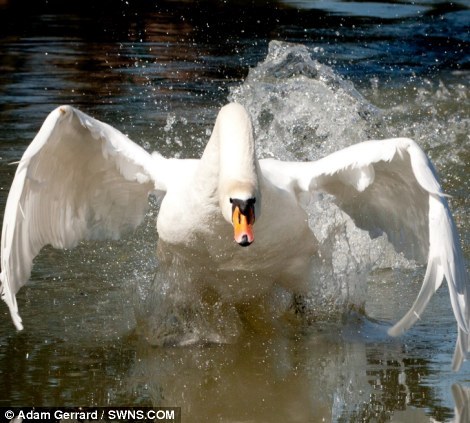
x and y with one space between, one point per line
159 74
297 378
270 379
462 402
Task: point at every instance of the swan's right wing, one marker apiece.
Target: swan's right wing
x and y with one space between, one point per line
79 179
390 187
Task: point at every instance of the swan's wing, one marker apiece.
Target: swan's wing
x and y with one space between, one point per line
78 179
390 186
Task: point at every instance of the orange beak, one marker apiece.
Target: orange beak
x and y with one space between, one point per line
243 225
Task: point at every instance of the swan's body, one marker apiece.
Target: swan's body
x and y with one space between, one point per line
82 179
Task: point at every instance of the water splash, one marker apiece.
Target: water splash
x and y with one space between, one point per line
301 109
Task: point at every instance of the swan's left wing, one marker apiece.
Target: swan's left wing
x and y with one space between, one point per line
391 186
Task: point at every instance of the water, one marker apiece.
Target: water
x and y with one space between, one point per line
159 73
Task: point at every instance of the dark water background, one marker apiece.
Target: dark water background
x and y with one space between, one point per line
159 71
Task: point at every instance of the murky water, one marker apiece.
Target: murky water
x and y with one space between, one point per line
159 73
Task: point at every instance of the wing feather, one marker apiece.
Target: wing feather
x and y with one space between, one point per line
391 186
79 179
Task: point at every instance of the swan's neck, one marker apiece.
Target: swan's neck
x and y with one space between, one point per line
237 160
229 157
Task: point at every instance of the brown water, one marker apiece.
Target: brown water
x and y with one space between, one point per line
159 73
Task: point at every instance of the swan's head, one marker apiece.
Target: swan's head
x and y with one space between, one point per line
240 208
243 218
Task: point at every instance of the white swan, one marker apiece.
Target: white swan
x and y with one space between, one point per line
82 179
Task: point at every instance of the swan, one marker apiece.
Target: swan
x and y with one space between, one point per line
239 218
